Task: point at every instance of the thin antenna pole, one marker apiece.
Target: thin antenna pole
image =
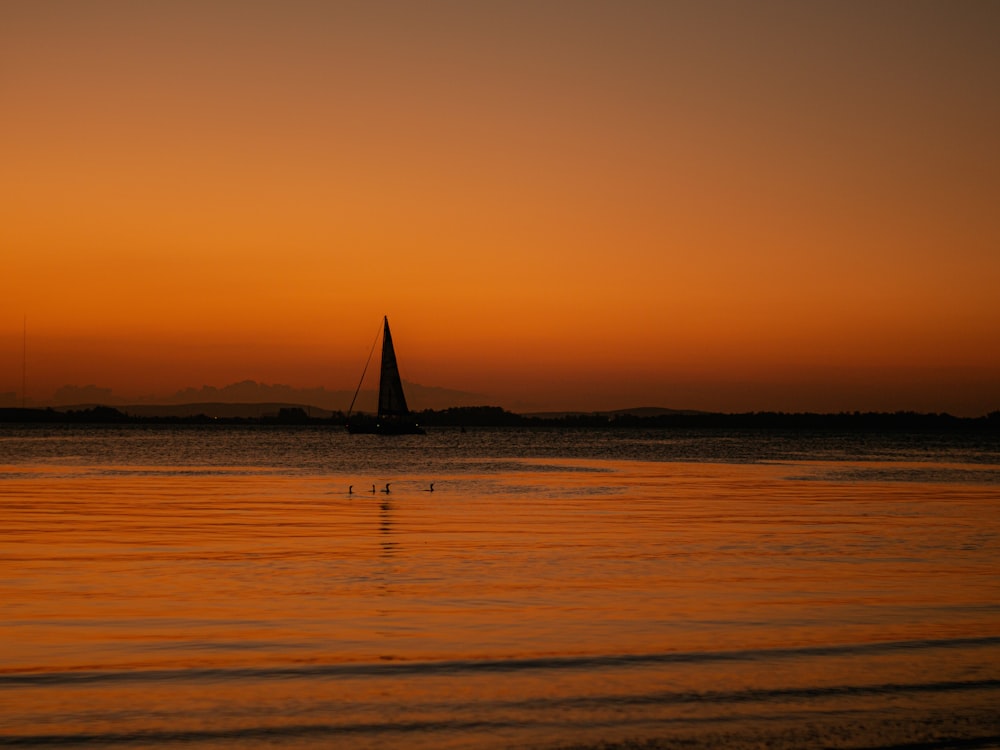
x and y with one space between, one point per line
24 364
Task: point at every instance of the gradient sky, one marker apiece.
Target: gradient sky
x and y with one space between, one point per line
560 205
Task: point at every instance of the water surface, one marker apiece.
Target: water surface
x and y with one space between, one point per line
221 587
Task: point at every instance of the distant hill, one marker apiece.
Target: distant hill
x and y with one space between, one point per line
651 411
638 411
252 392
250 397
258 410
219 410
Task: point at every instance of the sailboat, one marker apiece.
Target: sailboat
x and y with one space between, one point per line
393 416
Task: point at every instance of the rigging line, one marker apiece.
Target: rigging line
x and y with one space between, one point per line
360 382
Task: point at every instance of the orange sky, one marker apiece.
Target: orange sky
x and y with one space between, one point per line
560 205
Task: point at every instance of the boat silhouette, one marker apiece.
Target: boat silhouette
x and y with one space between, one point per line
393 417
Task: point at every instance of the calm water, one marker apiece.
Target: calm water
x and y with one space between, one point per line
209 588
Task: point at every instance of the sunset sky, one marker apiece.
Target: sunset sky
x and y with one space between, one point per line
560 205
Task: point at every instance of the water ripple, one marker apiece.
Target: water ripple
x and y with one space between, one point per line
459 666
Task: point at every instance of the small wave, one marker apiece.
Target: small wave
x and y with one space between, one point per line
52 471
928 474
769 695
729 729
389 668
246 734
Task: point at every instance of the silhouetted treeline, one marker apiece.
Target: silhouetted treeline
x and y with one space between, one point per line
110 415
901 421
95 415
494 416
469 416
795 421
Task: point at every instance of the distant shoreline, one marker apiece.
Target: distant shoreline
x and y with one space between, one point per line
494 416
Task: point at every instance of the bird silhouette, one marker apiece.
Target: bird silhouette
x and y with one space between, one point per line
373 489
350 489
386 490
431 488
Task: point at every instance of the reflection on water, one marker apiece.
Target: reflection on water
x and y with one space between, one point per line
536 599
385 526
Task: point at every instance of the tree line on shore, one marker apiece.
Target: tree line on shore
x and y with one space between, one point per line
495 416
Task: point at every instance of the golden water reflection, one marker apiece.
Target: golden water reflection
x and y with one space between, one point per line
593 599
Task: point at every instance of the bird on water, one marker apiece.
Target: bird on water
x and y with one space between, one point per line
386 490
